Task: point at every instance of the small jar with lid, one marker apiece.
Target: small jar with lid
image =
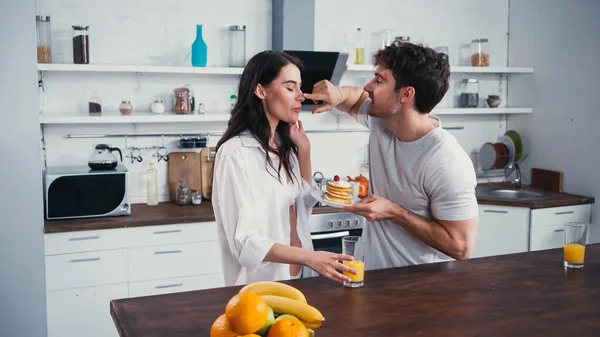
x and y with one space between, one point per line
44 50
196 197
480 52
469 96
125 108
157 107
237 46
182 101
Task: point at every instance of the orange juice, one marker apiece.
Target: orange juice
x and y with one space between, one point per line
574 253
359 266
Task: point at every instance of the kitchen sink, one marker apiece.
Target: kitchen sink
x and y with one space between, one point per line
515 194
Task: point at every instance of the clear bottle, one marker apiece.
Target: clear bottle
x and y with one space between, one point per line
237 46
480 53
152 185
44 44
233 101
359 48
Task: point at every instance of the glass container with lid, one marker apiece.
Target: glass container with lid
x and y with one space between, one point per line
44 43
469 96
237 46
480 53
81 45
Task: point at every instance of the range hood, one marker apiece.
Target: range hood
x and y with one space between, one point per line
295 36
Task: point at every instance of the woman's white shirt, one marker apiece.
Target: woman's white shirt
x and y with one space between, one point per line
251 207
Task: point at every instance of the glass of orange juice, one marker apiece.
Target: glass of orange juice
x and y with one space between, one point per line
355 247
574 248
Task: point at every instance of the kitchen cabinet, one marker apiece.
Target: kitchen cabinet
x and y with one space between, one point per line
501 230
547 224
85 270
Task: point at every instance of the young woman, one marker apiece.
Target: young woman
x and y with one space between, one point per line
261 190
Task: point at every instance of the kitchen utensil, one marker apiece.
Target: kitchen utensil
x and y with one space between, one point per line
184 166
207 162
546 179
514 135
103 158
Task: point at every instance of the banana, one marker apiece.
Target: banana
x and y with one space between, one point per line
312 325
274 288
304 312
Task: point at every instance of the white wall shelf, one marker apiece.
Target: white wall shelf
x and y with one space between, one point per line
135 118
459 70
481 111
116 68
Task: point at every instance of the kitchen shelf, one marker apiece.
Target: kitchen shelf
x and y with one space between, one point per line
458 70
136 117
116 68
481 111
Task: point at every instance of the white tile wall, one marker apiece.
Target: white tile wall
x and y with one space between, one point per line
159 32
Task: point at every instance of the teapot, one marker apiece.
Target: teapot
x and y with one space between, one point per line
364 185
103 158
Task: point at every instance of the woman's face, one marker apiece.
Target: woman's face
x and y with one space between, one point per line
282 98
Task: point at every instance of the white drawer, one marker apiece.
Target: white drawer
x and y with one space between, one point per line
84 241
175 285
171 234
169 261
547 237
557 216
86 269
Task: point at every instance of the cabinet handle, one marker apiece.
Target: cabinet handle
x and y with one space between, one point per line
562 213
85 260
493 211
170 231
559 230
168 252
82 238
175 285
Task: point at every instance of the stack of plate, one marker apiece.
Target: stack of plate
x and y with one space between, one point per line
508 149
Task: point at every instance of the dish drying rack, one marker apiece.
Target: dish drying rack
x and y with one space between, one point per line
505 172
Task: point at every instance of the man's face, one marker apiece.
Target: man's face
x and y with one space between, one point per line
385 101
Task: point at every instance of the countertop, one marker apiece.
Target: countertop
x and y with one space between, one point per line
551 199
165 213
526 294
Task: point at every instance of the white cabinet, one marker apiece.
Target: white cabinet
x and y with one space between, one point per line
547 224
83 311
86 270
501 230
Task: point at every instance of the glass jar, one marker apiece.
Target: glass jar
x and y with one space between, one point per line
480 53
469 96
443 51
182 195
237 46
196 197
125 108
95 105
157 107
182 101
81 45
402 39
44 50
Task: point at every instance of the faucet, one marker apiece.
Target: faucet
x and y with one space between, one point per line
517 181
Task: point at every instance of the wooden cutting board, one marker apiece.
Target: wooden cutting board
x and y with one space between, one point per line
184 166
546 180
207 162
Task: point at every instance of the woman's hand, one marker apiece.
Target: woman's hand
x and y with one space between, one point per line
299 137
326 263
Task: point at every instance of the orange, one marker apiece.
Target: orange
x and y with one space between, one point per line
250 335
246 313
222 328
288 327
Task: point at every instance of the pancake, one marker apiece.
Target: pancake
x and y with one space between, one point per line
338 192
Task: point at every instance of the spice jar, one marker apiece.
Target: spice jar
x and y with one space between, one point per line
44 51
196 197
443 51
125 108
81 45
480 53
95 105
157 107
182 195
182 101
469 97
237 46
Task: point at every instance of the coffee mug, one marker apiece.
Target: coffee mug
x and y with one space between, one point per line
357 189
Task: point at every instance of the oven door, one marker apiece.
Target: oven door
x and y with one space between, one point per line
332 241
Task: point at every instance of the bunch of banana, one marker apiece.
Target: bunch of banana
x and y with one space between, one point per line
285 299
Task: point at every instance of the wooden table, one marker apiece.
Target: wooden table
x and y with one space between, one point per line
528 294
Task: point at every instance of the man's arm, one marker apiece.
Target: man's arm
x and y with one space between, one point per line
453 238
347 99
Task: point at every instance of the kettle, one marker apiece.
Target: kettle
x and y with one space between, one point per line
103 158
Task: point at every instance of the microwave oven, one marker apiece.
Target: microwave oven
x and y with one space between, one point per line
73 192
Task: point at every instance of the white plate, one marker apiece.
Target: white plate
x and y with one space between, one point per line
318 194
487 156
510 145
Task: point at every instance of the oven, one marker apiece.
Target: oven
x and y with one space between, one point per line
327 230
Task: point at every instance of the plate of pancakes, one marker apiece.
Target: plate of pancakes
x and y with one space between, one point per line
338 194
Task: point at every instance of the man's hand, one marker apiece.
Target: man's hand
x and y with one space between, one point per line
373 208
328 93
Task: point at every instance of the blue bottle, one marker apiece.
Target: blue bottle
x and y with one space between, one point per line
199 50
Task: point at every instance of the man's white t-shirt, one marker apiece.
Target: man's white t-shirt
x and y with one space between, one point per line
432 177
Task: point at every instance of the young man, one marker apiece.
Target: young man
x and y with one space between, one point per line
422 207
